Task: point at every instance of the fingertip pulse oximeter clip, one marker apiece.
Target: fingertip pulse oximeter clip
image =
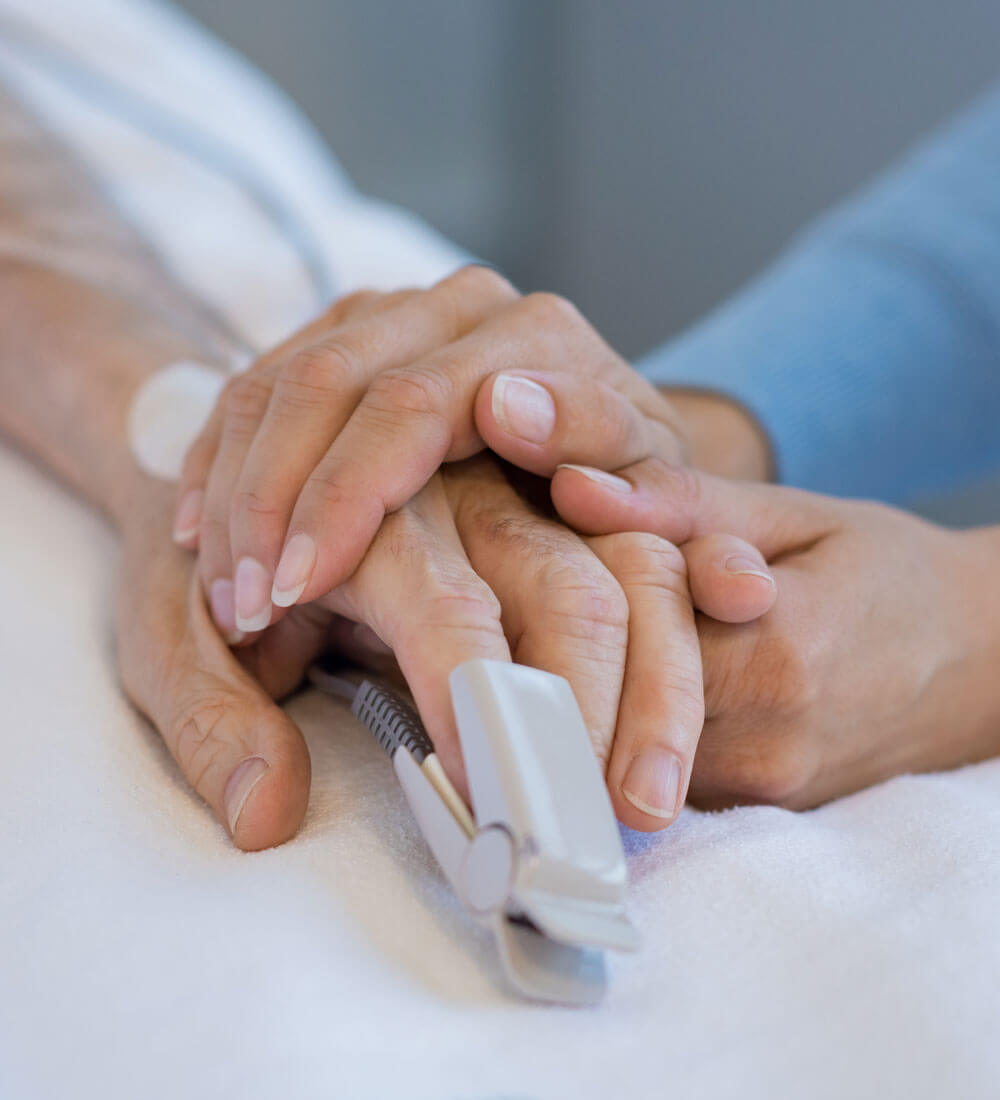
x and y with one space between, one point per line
540 860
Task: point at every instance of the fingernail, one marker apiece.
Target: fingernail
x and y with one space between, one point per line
745 566
187 519
523 408
243 780
223 608
653 782
599 477
252 595
294 570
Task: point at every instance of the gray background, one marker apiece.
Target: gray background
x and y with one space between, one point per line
641 157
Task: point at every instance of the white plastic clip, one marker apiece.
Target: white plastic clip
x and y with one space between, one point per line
540 861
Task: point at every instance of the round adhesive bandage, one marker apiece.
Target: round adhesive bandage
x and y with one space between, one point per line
168 411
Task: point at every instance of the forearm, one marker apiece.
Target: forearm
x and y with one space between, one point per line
871 352
86 312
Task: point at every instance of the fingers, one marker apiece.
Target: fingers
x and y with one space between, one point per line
729 579
243 402
662 706
282 415
417 591
201 453
315 393
563 611
614 617
236 748
541 419
680 504
411 420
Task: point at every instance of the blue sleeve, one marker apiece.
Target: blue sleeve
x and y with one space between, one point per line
871 351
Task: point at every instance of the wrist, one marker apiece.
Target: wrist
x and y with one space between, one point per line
724 437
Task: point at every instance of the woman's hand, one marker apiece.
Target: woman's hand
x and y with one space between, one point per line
880 657
467 569
613 615
310 449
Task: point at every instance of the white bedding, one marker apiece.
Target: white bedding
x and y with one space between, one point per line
850 952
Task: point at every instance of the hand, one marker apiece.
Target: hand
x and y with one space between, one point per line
879 658
377 394
614 617
215 709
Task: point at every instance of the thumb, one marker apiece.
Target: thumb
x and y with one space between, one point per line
236 748
679 504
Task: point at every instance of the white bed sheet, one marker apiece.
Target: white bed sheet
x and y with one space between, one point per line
852 951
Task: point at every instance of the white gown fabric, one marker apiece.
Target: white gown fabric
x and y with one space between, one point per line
849 952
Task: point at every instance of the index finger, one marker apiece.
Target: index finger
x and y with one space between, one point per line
411 420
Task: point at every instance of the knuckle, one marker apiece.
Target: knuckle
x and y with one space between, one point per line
645 560
346 305
583 600
245 400
680 489
449 592
255 504
551 310
458 602
481 279
198 737
574 594
409 391
312 374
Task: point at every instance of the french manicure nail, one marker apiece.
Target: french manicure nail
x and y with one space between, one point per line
252 595
745 566
298 560
599 477
653 782
188 517
223 608
523 408
243 780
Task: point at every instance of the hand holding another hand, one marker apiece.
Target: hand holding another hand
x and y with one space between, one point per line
880 656
318 441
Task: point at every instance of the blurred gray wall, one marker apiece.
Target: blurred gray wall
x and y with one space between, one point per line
642 157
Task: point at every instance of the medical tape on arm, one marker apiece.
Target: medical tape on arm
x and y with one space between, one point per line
168 412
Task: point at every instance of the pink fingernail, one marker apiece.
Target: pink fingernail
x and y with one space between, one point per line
745 566
653 783
599 477
298 560
223 608
241 783
523 408
252 595
188 517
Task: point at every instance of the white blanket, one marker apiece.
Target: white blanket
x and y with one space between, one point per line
849 952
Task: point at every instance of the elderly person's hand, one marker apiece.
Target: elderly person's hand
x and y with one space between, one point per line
319 440
468 568
566 605
880 657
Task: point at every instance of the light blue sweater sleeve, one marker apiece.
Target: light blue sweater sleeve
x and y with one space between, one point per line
871 351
